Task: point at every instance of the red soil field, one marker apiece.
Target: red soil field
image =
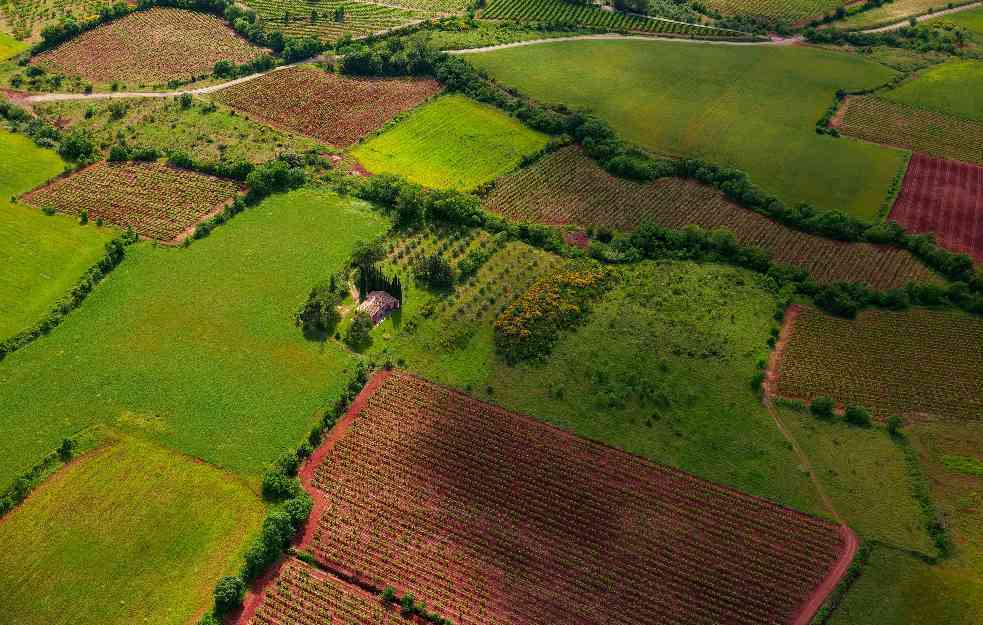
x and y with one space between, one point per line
493 518
944 197
335 109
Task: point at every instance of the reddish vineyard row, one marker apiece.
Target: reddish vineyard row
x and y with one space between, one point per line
153 46
492 518
944 197
334 109
155 200
919 363
569 187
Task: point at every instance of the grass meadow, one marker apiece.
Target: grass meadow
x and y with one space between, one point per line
954 88
451 143
10 46
128 533
42 256
751 107
195 347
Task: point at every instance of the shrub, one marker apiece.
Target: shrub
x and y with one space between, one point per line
319 314
277 485
299 509
857 415
389 594
357 335
66 450
434 272
894 425
822 407
77 146
229 592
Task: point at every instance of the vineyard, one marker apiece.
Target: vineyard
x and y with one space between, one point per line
558 11
569 187
332 19
153 46
24 18
494 518
328 107
918 363
157 201
304 595
944 197
784 10
881 121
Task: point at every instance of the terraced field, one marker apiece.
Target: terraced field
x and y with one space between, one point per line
568 187
915 364
152 47
335 109
331 19
891 123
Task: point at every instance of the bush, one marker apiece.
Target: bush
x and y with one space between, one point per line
857 415
299 509
357 335
822 407
894 425
77 146
66 450
229 592
319 314
434 272
277 485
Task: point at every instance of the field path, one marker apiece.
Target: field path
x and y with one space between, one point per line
922 18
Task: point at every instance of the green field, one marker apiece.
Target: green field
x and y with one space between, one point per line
451 143
130 533
10 46
42 257
194 347
971 20
754 108
954 88
891 13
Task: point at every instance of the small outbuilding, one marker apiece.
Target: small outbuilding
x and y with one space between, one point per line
378 304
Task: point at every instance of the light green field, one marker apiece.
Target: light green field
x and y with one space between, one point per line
42 257
891 13
751 107
10 46
130 533
451 143
194 347
954 88
971 20
784 10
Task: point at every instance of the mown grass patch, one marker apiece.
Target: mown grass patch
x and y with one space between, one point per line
10 46
129 533
42 256
753 108
195 347
451 143
954 88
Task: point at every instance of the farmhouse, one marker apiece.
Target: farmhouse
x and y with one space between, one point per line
378 304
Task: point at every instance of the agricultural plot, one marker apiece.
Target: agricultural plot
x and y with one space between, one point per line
302 594
589 15
205 131
954 88
25 18
334 109
568 187
155 200
150 47
10 46
783 10
882 121
916 364
332 19
946 198
451 143
890 13
43 257
154 528
750 107
495 507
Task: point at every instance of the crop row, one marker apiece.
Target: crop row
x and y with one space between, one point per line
23 17
331 19
335 109
155 200
882 121
494 518
785 10
154 46
946 198
569 187
918 363
588 15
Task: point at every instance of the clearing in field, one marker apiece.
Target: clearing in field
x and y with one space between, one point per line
451 143
882 121
150 47
128 533
42 257
750 107
203 130
916 364
496 507
335 109
792 11
954 88
944 197
194 344
329 20
155 200
567 186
